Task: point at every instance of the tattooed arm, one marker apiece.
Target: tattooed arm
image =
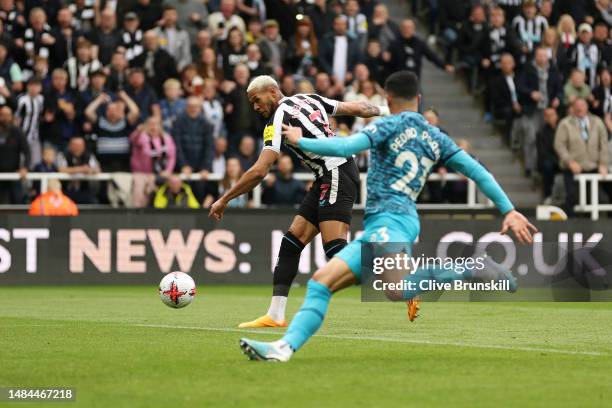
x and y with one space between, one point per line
360 109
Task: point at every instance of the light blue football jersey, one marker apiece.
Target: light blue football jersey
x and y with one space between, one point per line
404 149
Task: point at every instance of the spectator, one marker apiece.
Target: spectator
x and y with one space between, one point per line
240 118
193 137
14 157
157 64
142 94
576 88
581 142
175 194
452 15
273 48
304 48
339 53
366 92
409 50
113 130
233 52
202 41
584 55
566 28
288 85
131 36
117 72
78 160
603 13
85 13
28 114
174 39
12 18
10 72
603 43
213 108
41 71
105 37
37 39
503 94
321 17
60 117
529 27
282 189
323 86
192 16
48 163
153 151
247 152
233 172
548 162
357 22
550 42
218 164
208 67
501 40
602 95
251 10
173 105
383 29
377 61
472 40
150 13
80 66
222 21
539 87
66 38
53 203
193 83
254 62
97 86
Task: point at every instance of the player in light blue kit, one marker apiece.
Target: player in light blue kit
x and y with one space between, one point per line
403 149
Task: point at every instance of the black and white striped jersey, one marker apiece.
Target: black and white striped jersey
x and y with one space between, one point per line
311 113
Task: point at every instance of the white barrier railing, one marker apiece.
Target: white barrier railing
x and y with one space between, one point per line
471 204
594 207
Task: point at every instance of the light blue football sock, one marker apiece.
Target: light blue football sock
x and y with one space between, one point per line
440 275
310 317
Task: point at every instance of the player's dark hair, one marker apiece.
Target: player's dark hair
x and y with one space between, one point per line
402 84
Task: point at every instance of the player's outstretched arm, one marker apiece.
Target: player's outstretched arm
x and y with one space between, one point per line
513 220
361 109
251 178
332 146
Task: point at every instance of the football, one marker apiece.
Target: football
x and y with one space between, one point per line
177 289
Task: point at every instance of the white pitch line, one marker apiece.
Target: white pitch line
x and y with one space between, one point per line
384 339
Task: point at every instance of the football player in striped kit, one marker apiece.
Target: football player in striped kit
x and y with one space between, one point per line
328 205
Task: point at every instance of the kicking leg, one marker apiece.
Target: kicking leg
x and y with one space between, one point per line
300 233
334 276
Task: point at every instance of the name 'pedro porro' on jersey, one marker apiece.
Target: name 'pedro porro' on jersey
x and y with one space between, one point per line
404 148
310 113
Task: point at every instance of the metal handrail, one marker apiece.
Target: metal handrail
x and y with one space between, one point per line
472 202
594 207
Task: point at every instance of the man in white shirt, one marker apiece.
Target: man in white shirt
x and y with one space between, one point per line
220 22
173 39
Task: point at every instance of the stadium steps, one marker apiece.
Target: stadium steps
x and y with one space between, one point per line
461 117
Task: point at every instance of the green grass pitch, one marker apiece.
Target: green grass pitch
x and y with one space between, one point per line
121 347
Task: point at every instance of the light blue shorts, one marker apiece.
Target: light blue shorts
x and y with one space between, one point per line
381 227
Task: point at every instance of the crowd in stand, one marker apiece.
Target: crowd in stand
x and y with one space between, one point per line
545 66
153 89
